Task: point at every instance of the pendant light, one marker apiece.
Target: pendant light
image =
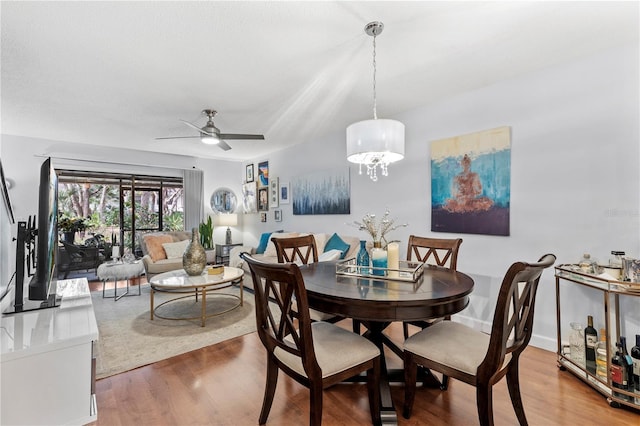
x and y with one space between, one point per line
377 142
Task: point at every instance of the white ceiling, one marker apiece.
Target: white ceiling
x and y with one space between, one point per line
122 73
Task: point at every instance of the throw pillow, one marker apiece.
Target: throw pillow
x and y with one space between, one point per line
271 248
264 240
329 256
154 246
336 243
174 250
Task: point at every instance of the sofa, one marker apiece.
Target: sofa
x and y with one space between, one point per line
331 247
162 251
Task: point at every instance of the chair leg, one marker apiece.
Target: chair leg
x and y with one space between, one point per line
513 383
445 383
410 376
356 326
484 401
373 387
405 330
315 415
269 389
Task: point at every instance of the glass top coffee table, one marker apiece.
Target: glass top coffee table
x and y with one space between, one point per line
198 286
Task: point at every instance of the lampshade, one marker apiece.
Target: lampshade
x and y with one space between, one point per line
227 219
375 141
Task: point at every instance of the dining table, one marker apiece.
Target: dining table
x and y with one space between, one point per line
376 302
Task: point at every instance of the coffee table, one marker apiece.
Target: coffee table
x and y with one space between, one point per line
178 282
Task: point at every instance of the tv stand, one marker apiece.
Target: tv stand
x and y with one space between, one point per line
48 363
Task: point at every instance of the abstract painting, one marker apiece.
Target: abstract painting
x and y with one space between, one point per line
263 173
324 192
249 198
471 183
284 193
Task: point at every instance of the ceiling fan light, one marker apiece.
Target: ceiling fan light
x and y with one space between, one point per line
208 139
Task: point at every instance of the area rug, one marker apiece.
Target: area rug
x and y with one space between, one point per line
130 339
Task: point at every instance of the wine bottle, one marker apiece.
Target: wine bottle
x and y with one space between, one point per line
628 363
635 356
619 373
590 341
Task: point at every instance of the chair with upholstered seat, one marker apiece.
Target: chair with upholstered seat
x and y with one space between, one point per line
302 250
315 354
476 358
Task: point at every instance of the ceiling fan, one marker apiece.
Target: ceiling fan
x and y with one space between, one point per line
210 134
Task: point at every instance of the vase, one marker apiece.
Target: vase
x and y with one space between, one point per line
379 261
194 258
69 236
363 259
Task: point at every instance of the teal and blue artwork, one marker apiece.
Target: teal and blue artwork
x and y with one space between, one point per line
323 192
471 183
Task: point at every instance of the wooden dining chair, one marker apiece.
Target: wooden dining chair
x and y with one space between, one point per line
302 250
440 252
315 354
476 358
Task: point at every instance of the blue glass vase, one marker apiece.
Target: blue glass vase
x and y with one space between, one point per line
363 258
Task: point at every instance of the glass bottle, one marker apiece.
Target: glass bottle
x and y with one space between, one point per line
619 372
587 264
628 363
590 341
635 357
576 342
601 356
362 259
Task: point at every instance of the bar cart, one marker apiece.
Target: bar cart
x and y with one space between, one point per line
612 291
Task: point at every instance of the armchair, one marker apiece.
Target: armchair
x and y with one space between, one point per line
78 258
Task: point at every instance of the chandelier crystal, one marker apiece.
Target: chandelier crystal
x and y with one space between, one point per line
377 142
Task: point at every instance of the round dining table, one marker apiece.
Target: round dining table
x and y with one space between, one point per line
376 303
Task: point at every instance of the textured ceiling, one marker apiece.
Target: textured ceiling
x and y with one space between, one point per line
122 73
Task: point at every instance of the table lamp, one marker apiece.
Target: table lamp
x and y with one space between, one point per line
228 219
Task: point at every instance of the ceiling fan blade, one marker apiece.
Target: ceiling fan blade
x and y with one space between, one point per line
240 136
223 145
179 137
197 128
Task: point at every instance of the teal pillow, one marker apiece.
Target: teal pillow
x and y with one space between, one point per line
264 240
336 243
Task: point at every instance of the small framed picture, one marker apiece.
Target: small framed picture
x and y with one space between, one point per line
263 217
273 192
277 215
249 173
263 199
263 173
284 193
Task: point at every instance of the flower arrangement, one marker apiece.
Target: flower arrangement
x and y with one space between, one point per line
378 230
71 224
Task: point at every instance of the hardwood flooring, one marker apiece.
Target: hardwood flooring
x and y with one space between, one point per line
223 385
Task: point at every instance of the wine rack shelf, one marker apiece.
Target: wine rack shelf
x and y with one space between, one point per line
611 291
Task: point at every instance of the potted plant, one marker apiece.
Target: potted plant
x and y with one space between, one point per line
69 226
206 234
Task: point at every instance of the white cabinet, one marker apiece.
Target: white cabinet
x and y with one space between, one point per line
611 311
47 365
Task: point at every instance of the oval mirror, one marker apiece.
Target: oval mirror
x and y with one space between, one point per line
223 200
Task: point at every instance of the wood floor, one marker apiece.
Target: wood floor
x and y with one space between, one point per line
223 385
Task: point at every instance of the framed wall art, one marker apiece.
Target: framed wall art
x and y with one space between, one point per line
471 183
284 193
249 198
263 199
263 173
273 192
263 217
248 174
324 192
277 215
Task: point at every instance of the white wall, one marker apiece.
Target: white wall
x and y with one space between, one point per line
575 179
574 186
